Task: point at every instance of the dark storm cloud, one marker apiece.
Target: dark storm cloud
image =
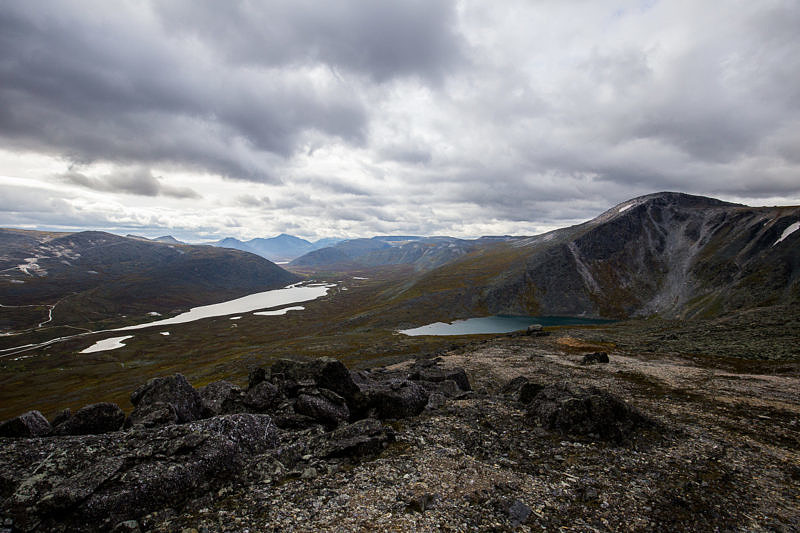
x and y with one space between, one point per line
113 86
140 181
381 40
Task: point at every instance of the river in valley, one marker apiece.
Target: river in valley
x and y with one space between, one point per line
296 293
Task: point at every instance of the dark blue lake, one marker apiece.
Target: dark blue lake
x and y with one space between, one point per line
498 324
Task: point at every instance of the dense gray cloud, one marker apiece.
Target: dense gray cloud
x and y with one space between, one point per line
353 118
381 40
139 181
102 83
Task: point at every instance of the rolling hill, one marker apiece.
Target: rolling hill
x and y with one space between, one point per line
94 275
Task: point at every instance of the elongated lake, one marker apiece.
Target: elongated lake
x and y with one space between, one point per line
252 302
497 324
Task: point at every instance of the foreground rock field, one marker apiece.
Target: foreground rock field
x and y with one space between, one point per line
519 433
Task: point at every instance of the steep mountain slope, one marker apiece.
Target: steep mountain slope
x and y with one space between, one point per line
667 253
94 275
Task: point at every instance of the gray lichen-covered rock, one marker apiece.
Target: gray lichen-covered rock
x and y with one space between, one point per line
222 398
263 397
89 483
152 415
30 424
363 438
93 419
324 406
174 390
448 388
436 375
394 398
585 412
325 372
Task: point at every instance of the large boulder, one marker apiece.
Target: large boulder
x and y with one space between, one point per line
522 389
263 397
222 398
90 483
362 438
448 388
393 398
92 419
30 424
325 372
596 357
584 412
153 415
535 330
174 391
324 406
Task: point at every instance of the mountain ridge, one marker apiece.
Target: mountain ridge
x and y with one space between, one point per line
665 253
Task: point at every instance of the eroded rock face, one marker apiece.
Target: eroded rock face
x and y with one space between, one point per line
92 419
585 412
93 482
30 424
174 391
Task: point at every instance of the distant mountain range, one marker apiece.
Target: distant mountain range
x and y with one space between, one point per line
168 239
423 253
95 275
282 248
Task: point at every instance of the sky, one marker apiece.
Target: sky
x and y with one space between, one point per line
355 118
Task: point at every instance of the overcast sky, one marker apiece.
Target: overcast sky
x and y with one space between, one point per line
355 117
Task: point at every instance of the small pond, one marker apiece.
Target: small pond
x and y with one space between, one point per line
498 324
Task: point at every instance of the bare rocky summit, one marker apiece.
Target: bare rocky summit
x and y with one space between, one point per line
516 433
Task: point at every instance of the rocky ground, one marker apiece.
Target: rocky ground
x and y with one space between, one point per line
537 439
